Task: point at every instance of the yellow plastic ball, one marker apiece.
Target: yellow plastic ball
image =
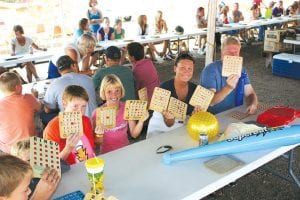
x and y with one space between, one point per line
203 122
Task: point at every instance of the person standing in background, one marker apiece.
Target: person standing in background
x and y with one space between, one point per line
94 16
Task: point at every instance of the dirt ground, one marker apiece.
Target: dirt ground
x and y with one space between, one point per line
274 90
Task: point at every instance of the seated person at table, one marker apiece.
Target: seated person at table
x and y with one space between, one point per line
225 88
112 59
17 111
201 23
181 88
255 15
144 71
74 98
21 45
278 10
83 27
105 32
142 30
80 52
112 91
15 178
118 30
161 27
268 11
69 76
22 150
238 16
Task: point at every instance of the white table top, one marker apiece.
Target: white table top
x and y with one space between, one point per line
296 42
9 61
137 172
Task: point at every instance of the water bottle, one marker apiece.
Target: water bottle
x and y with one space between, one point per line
105 38
239 93
30 50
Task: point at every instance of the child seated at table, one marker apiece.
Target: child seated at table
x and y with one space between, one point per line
74 98
22 150
17 111
112 91
15 177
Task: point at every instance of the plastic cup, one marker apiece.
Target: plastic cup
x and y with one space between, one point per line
95 171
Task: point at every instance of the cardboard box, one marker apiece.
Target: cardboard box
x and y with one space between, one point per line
277 46
273 46
274 35
287 65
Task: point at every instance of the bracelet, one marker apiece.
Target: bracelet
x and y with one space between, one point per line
163 149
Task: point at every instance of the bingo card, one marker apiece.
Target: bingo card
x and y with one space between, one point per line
135 109
106 116
201 97
43 153
160 99
143 94
177 108
232 65
70 123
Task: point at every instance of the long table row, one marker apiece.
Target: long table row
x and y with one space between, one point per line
11 61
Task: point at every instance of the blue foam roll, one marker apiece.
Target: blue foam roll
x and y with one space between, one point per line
270 138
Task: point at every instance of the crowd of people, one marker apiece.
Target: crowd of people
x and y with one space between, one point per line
76 90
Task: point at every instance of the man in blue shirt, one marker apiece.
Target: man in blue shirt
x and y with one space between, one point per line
227 89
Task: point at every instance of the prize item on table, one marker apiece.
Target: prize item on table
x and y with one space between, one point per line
202 122
269 138
240 130
135 109
223 164
160 99
43 154
95 172
201 97
278 116
106 116
177 108
142 93
232 65
90 196
70 123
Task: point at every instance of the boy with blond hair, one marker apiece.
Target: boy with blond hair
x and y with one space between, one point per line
17 111
75 148
15 178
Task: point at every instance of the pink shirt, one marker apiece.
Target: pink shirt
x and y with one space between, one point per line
145 75
115 138
17 119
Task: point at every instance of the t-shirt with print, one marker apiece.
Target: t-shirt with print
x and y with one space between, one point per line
116 137
84 148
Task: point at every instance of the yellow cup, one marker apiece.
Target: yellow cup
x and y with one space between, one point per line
95 169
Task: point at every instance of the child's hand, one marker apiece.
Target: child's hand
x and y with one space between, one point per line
47 185
145 116
72 141
99 131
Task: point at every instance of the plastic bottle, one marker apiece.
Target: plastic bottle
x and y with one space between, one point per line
105 38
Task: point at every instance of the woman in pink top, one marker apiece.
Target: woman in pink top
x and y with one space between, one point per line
111 139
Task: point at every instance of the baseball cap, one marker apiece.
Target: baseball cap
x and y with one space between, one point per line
64 62
113 53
